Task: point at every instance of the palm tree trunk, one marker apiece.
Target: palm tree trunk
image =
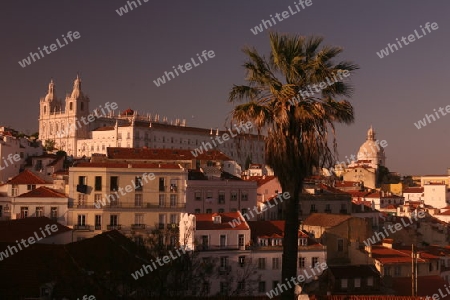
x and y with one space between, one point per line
290 240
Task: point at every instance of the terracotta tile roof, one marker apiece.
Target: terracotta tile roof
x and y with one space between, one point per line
163 154
413 190
339 184
205 221
356 207
272 229
27 177
43 192
261 180
445 213
395 256
428 285
114 165
361 194
325 220
331 189
13 230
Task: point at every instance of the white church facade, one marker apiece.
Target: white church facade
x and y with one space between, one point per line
60 122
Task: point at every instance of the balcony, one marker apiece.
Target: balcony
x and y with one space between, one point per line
81 227
137 226
173 189
98 227
113 227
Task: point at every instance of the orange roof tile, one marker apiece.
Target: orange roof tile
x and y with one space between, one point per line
13 230
42 192
325 220
163 154
205 221
27 177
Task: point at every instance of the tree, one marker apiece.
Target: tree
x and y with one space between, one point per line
279 99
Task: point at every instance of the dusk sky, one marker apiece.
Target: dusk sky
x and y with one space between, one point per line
119 57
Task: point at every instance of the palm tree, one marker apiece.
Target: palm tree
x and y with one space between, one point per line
297 124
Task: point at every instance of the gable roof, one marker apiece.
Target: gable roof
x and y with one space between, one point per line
205 221
13 230
43 192
163 154
27 177
325 220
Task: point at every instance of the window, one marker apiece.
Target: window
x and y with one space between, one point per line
138 200
340 245
162 221
82 199
161 184
81 220
314 261
23 212
262 286
223 288
223 241
221 197
1 211
138 219
114 183
241 285
197 211
98 222
53 212
302 241
397 271
70 105
205 288
241 240
223 262
221 210
313 208
173 218
387 271
301 262
173 185
357 282
262 263
205 242
275 263
209 211
97 197
173 200
275 284
162 200
369 281
138 183
113 220
344 283
98 183
31 187
39 211
244 196
209 194
241 261
198 195
233 196
328 208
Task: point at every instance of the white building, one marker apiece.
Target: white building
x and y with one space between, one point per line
129 129
436 194
247 256
12 148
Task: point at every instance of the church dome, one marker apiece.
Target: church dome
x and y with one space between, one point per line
371 151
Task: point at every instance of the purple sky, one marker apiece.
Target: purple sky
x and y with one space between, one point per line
118 57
